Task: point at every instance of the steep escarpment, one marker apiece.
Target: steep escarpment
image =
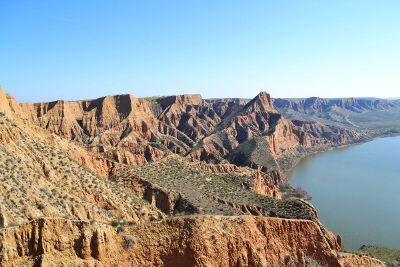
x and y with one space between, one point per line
38 178
45 242
186 241
173 181
8 104
257 135
258 119
136 131
248 133
189 114
85 120
122 128
232 241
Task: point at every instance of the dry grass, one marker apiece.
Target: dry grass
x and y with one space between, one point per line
37 179
201 188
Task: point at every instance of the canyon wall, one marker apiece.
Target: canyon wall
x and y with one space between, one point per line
181 241
171 181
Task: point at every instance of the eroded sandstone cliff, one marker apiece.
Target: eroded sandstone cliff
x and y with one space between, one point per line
105 182
135 131
180 241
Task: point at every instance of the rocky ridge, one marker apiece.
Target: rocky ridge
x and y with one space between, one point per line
135 131
100 182
376 116
316 104
186 241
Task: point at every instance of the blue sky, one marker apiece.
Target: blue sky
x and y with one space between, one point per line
85 49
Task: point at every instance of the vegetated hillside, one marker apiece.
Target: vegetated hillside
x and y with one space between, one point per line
118 181
382 115
391 257
38 179
214 191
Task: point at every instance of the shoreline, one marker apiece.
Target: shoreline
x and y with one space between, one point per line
364 141
296 162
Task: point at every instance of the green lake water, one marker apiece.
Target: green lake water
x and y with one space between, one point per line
356 191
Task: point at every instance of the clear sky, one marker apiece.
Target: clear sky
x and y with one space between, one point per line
77 49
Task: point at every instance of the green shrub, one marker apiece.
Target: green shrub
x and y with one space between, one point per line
129 242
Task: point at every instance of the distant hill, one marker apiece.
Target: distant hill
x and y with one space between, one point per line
368 113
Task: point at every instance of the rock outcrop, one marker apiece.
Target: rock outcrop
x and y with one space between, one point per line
120 127
181 241
258 136
56 242
8 105
352 260
135 131
42 174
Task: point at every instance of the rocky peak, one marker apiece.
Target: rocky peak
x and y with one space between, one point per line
4 106
8 104
117 106
262 102
188 99
120 104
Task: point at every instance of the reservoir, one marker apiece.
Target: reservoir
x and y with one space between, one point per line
356 191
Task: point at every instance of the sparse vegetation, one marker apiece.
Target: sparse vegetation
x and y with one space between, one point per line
289 191
62 187
152 98
391 257
310 262
129 242
39 179
209 191
253 151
